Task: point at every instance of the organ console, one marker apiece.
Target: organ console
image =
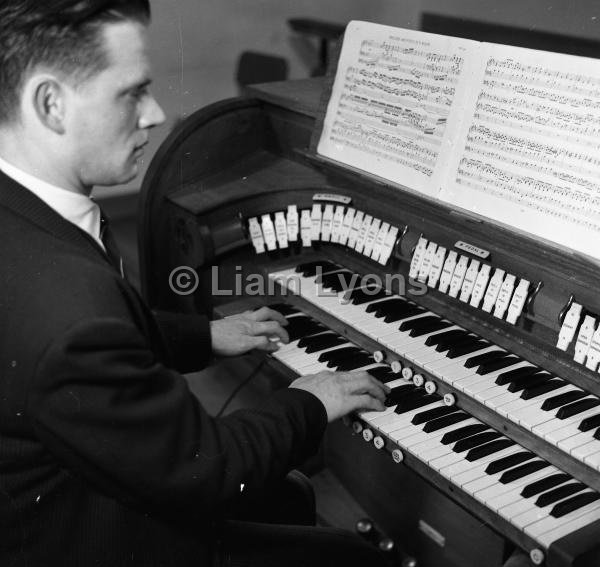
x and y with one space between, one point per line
486 335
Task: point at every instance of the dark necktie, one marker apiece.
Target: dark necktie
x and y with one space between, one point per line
110 244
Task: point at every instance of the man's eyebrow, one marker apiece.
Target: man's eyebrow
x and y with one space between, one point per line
137 86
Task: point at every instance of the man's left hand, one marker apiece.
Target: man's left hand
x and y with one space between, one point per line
238 334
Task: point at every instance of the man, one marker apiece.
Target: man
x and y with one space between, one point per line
105 456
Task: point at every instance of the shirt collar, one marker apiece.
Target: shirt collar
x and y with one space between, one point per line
74 207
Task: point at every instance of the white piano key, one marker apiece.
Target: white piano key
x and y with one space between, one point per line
535 513
572 443
499 495
454 469
549 523
547 538
585 451
593 460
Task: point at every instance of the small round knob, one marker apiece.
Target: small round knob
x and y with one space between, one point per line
357 426
379 356
537 556
364 526
378 442
386 545
396 367
418 380
430 387
367 435
449 399
397 455
407 373
409 562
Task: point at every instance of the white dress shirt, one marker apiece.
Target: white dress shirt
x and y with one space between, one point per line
74 207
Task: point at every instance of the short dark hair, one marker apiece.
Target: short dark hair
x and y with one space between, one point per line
61 34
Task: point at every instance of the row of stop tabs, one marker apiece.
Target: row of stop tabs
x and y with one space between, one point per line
337 224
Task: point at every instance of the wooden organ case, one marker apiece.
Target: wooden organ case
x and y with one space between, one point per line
243 158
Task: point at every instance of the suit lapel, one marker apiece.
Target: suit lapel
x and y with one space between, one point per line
26 204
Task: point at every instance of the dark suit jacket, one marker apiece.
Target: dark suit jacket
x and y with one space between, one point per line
105 456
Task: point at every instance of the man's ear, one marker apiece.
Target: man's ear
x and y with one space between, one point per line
48 97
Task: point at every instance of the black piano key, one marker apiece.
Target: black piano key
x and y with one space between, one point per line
360 296
416 403
424 330
395 303
398 393
434 413
355 362
590 423
404 313
284 308
567 506
321 340
377 308
475 441
529 381
510 375
597 434
446 335
541 389
563 399
397 308
403 401
298 329
508 462
338 281
312 339
418 323
338 353
559 493
322 345
544 484
351 356
309 269
522 471
407 396
488 449
300 320
383 374
446 344
577 407
461 350
462 433
446 421
349 361
498 364
478 359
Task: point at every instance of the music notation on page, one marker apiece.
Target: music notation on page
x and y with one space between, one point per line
509 133
391 103
530 146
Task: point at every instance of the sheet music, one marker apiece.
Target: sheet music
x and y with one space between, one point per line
396 102
529 151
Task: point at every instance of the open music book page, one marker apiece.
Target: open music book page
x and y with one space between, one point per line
396 103
528 154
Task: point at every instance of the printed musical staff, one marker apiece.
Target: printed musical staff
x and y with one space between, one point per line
391 102
512 134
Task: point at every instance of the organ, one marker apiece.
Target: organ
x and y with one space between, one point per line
488 337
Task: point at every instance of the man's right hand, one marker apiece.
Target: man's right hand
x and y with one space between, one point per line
344 392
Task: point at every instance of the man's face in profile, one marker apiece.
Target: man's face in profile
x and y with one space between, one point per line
109 115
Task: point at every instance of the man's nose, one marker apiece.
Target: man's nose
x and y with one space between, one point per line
152 114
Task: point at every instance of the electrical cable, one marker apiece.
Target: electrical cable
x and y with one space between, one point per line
237 389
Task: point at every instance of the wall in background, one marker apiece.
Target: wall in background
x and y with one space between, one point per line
195 44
